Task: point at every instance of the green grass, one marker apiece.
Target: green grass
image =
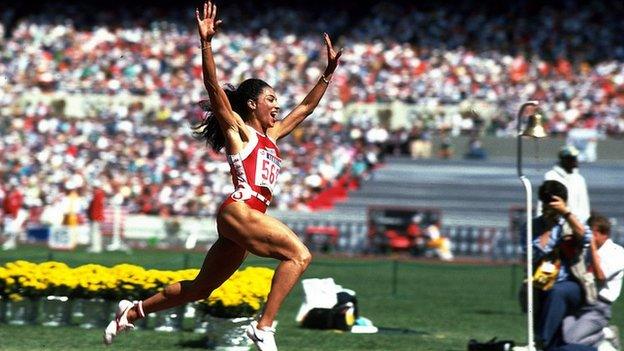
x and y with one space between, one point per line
444 305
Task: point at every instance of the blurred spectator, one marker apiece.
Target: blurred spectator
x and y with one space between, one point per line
567 173
14 215
446 149
73 205
440 245
475 150
419 143
95 213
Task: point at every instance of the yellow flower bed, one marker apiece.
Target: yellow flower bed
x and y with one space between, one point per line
242 295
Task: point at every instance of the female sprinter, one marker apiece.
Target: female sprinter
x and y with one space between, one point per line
244 121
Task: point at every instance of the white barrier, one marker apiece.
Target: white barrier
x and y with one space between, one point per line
81 105
147 227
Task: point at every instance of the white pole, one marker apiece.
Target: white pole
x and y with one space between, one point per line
529 233
116 225
116 242
529 261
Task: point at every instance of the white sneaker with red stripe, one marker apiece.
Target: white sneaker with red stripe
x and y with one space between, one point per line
120 323
264 338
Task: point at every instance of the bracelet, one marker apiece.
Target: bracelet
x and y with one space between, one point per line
567 214
205 46
325 79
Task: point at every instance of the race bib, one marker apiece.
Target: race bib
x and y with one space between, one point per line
267 168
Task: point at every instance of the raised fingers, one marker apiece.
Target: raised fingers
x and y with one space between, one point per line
214 11
331 53
327 41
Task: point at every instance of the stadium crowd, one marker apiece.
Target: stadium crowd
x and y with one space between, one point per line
571 60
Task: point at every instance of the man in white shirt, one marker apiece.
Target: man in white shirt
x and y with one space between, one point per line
589 326
567 173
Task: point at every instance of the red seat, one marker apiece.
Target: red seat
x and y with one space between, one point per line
398 242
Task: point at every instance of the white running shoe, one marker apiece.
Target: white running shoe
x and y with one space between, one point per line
605 345
264 339
612 335
120 323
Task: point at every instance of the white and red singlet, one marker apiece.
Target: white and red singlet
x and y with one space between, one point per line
254 172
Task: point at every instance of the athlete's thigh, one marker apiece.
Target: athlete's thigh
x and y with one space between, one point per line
259 233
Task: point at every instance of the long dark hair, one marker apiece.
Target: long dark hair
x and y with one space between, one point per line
208 129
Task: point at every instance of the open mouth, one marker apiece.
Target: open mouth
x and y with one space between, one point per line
273 115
